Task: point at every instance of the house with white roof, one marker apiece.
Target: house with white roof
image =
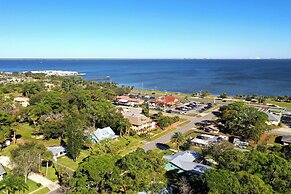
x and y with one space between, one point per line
205 140
186 162
57 151
273 118
101 134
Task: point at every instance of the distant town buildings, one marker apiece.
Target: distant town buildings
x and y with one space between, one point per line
56 73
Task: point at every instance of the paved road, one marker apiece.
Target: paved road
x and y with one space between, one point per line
281 131
166 138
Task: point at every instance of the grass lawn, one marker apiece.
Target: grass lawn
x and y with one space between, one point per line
32 186
42 191
131 144
69 163
190 134
282 104
26 132
51 173
6 151
181 96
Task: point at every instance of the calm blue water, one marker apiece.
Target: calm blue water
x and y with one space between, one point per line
265 77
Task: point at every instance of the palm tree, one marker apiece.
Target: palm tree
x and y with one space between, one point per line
47 156
178 139
12 183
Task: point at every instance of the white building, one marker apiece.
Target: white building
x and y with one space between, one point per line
57 151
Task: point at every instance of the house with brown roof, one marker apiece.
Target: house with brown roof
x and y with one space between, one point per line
127 101
140 123
166 100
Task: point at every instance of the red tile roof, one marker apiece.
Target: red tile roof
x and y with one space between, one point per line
167 100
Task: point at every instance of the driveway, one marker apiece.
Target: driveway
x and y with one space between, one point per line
184 128
5 161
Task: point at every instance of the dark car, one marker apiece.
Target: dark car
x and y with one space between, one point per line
199 124
163 146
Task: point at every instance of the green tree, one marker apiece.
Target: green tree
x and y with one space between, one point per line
96 173
204 94
178 139
145 109
240 119
74 137
5 124
137 171
30 88
223 95
222 181
12 183
47 157
26 158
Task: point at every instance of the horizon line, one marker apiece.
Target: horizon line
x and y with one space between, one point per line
132 58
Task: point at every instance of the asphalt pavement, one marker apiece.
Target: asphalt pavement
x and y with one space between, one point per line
184 128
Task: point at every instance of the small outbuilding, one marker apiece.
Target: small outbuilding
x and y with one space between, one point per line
57 151
3 172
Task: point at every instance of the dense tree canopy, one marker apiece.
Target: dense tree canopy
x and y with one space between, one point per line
240 119
137 171
26 158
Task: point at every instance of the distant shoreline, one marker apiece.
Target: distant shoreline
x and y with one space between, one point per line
35 58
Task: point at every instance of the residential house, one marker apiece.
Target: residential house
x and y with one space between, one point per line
140 123
57 151
273 118
187 161
49 86
3 172
240 144
127 101
166 101
101 134
205 140
23 101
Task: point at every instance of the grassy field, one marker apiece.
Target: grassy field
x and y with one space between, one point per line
121 146
42 191
71 164
26 133
181 96
282 104
32 186
51 173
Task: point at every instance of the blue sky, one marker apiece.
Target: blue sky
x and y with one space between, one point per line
145 28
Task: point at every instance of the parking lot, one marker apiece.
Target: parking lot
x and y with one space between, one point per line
191 108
